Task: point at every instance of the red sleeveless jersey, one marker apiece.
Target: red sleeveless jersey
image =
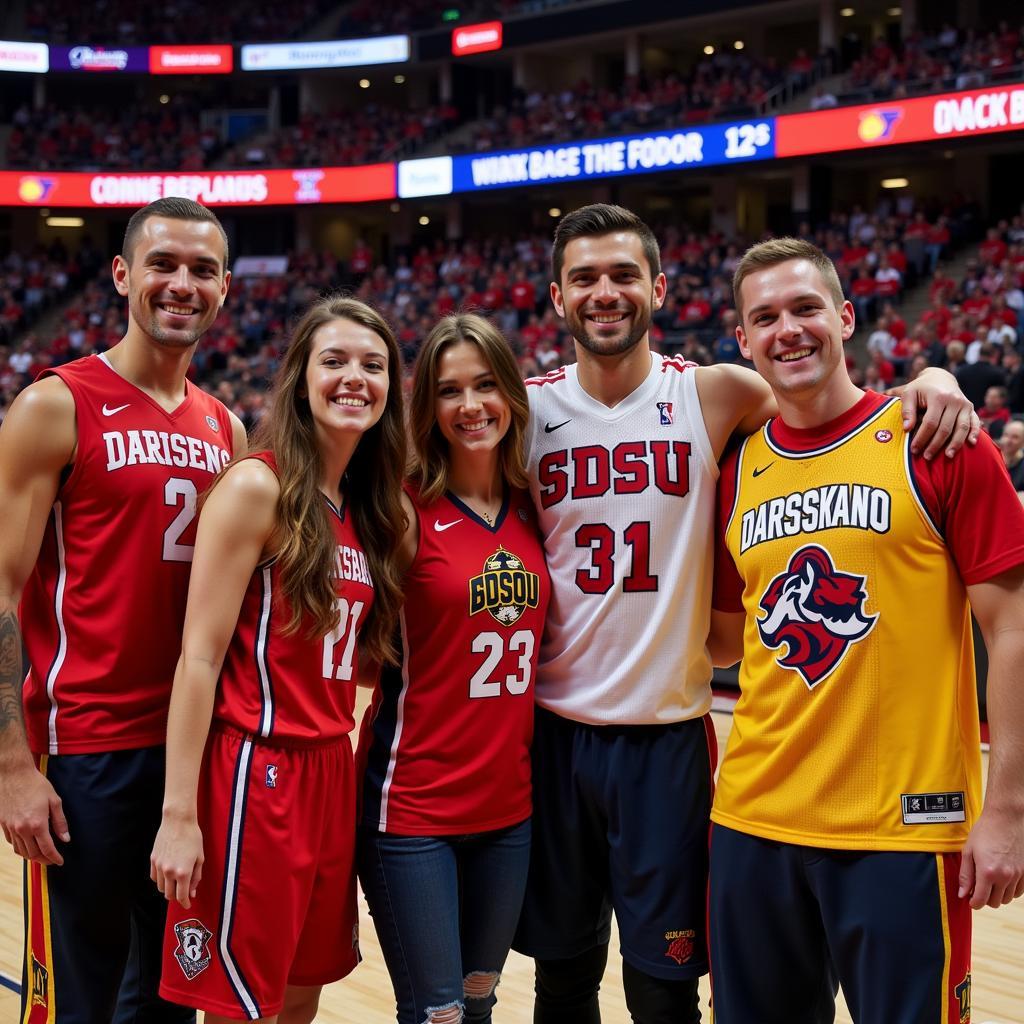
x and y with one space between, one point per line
294 689
102 612
446 743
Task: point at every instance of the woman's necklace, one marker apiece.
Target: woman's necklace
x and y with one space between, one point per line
482 512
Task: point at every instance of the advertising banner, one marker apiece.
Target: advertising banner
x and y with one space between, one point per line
31 57
339 53
99 58
191 60
923 119
211 188
701 146
477 38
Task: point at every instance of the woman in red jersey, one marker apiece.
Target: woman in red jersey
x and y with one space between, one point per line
444 829
293 573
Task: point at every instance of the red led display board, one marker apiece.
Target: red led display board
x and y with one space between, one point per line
477 38
211 188
924 119
190 60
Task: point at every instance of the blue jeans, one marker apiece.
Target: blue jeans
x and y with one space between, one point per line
445 909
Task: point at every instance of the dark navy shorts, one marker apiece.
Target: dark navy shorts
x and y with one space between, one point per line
791 923
94 927
620 822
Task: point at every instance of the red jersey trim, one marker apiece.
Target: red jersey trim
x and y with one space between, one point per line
677 363
790 441
549 378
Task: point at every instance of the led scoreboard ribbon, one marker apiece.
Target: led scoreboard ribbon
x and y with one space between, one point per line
703 146
923 119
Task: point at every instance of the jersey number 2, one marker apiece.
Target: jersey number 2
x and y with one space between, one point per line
493 645
179 492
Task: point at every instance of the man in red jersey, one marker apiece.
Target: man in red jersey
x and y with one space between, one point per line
101 461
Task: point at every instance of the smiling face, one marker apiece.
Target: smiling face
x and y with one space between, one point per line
606 293
175 281
346 379
471 411
791 329
1011 441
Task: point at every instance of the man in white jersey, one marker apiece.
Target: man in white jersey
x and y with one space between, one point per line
623 450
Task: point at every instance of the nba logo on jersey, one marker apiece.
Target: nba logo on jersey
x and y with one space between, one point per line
665 414
271 776
192 954
212 424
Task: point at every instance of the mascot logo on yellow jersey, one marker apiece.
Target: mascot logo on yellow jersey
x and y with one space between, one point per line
505 588
816 611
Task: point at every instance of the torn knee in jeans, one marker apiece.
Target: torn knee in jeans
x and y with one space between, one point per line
480 984
450 1013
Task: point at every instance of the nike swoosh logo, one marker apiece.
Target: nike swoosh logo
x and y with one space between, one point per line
758 472
441 527
107 411
548 427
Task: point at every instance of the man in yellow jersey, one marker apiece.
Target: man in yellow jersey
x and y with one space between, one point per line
850 841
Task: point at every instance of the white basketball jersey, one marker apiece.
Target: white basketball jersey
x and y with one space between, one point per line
626 502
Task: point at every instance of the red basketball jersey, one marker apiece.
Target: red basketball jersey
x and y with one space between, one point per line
296 689
103 610
447 741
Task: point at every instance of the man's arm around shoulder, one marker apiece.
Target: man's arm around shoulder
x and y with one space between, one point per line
37 440
733 399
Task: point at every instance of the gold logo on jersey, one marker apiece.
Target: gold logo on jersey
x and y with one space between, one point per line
505 588
40 984
963 995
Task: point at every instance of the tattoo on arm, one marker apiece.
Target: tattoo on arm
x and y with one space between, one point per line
10 672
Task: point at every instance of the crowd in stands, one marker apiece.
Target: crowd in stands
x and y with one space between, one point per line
949 59
508 280
719 87
370 133
974 327
116 137
727 84
172 136
128 23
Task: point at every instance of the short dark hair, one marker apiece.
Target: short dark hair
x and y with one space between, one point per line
602 219
175 208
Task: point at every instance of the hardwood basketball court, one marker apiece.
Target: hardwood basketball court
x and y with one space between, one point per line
365 997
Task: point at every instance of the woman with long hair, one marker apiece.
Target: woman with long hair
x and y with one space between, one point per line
293 574
445 825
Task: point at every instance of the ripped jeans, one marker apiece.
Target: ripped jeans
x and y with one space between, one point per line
445 909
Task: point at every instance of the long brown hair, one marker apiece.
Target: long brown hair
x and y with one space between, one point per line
372 488
430 449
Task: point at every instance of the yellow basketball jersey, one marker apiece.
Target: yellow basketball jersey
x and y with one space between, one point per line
857 727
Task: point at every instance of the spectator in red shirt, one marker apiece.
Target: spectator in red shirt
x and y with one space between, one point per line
888 280
938 242
941 285
994 414
886 371
993 249
524 297
938 315
862 293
